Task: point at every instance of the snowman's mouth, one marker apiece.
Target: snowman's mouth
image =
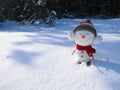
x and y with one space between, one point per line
84 40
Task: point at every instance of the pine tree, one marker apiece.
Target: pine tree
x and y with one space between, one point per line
2 17
31 10
35 9
51 18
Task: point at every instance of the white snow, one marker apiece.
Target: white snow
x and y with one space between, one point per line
39 57
39 2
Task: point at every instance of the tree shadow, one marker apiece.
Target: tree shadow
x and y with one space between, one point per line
49 37
23 57
108 65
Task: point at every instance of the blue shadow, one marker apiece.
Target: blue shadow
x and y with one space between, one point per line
108 65
23 57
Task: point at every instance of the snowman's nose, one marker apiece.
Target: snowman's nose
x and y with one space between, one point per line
83 37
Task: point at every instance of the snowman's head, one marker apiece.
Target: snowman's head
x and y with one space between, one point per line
85 34
84 37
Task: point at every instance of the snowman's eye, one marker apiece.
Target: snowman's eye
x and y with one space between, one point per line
80 33
87 33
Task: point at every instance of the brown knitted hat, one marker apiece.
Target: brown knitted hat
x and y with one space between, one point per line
87 25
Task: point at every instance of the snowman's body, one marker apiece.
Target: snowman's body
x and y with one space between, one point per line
84 39
82 56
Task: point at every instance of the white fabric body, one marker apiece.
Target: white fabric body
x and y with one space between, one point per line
82 56
88 39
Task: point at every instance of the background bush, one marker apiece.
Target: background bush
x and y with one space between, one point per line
32 10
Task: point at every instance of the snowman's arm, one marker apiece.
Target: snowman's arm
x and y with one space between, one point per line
73 51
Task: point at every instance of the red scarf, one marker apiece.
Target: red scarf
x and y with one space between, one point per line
88 49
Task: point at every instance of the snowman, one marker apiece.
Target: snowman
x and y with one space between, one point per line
84 36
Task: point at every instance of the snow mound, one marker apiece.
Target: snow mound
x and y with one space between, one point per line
42 60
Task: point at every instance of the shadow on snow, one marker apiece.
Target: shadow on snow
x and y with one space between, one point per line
23 57
108 65
50 37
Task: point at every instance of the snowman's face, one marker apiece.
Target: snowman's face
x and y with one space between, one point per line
84 37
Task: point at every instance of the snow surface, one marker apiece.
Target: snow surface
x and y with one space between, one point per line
39 58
